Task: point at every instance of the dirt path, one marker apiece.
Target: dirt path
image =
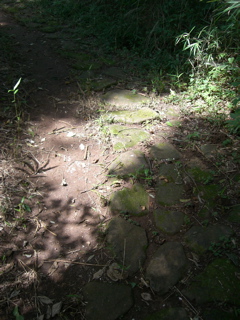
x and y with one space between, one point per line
62 171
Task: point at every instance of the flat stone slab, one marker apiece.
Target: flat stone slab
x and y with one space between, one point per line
169 314
106 301
169 222
130 162
217 283
128 243
199 239
169 188
131 116
123 98
126 137
167 267
164 151
134 201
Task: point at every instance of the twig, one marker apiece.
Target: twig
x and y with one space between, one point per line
75 262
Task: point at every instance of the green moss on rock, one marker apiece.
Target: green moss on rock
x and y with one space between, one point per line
132 201
218 282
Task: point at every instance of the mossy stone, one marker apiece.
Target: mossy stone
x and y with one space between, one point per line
200 176
122 98
128 243
169 314
234 214
169 189
217 314
126 137
169 222
163 151
107 301
199 239
131 116
128 163
133 201
217 283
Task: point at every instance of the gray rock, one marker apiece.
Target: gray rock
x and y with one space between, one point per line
122 98
199 239
169 314
169 189
164 151
106 301
130 162
128 243
126 137
217 283
167 267
134 201
169 222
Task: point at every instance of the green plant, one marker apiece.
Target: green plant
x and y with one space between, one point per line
223 247
22 207
14 101
234 124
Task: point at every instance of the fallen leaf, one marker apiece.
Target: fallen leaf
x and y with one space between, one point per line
99 273
146 296
56 308
44 300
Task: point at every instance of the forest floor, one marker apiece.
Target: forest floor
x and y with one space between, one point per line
55 152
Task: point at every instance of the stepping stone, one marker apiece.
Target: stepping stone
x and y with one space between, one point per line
128 243
209 150
131 116
130 162
164 151
234 214
169 189
217 314
133 201
121 98
106 301
126 137
167 267
217 283
199 239
169 222
169 314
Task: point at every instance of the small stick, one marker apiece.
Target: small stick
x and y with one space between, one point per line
75 262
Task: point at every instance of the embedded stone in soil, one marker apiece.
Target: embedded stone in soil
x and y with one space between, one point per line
169 189
163 151
169 222
169 314
122 98
209 150
199 239
107 301
217 283
128 243
167 267
216 314
131 116
126 137
130 162
234 214
134 201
